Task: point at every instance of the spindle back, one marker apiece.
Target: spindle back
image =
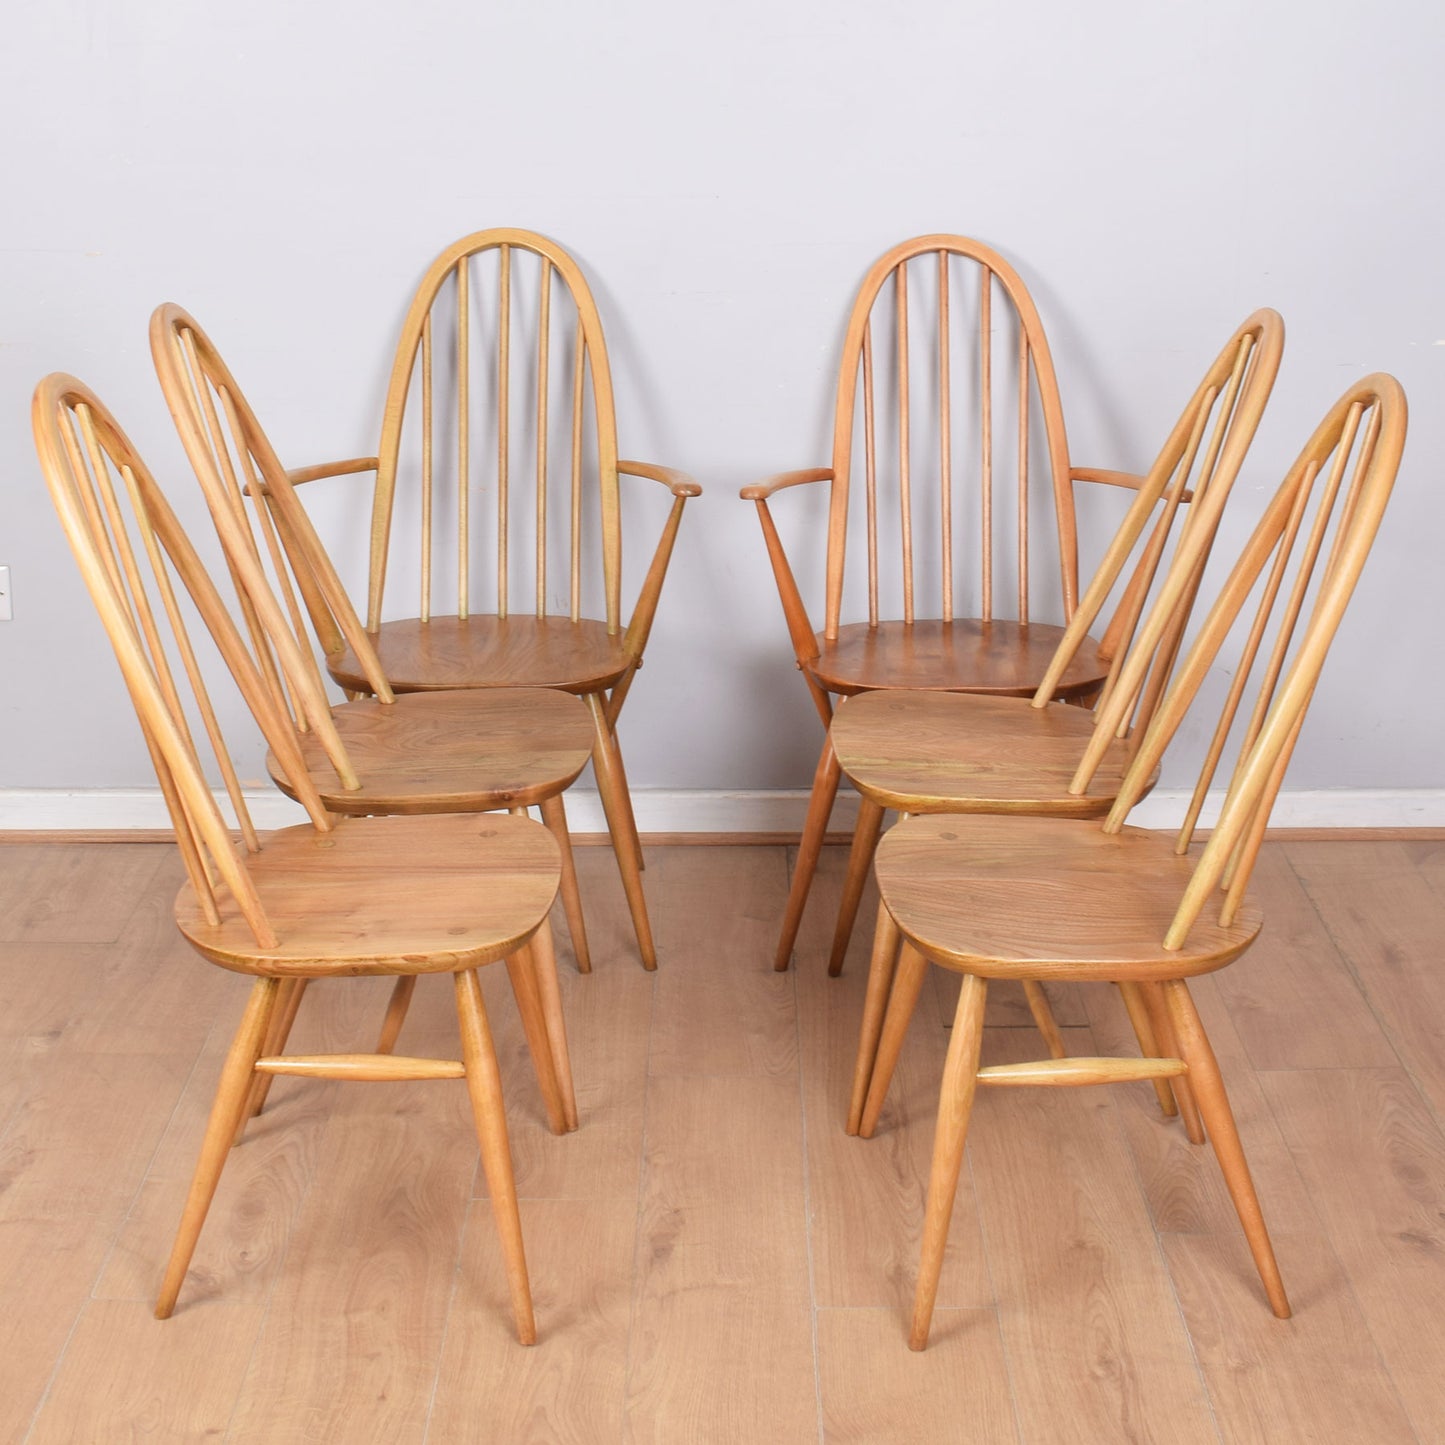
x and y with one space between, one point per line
131 549
983 395
1301 564
501 368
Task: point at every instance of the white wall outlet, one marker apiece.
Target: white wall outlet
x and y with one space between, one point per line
6 613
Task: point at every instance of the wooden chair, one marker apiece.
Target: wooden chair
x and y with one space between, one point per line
395 896
1050 898
438 752
975 482
461 370
931 752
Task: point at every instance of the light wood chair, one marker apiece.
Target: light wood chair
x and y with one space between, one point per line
395 896
932 752
1050 898
438 752
491 390
941 449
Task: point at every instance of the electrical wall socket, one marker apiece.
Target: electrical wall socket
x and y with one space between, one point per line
6 613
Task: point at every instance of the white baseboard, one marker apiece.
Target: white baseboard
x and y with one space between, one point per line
661 810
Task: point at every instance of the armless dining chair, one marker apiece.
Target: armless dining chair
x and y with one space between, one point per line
396 896
1053 898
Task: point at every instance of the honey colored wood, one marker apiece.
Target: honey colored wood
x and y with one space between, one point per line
388 896
357 1202
991 654
465 752
917 752
1042 898
373 1068
495 646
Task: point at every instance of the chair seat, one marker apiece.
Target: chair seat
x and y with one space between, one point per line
952 752
489 651
1007 659
387 896
1041 898
451 752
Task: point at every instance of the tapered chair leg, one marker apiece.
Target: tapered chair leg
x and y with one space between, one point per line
815 829
907 984
226 1110
522 970
875 1002
955 1103
484 1085
549 988
634 843
1213 1104
605 764
1168 1045
401 993
860 858
1148 1045
1043 1016
283 1016
554 815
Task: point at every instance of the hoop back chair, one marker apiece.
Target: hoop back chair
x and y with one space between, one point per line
433 753
924 752
1123 904
387 896
520 407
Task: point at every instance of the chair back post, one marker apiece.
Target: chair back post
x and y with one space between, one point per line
590 377
1367 425
1200 460
82 449
1035 384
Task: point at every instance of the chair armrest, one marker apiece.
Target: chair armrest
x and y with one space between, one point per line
1131 481
678 483
298 475
761 491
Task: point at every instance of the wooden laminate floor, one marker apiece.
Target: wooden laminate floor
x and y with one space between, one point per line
712 1259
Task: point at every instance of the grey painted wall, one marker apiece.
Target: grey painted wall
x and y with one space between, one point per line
724 175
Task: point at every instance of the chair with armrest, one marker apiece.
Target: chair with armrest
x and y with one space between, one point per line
1053 898
528 415
397 896
952 431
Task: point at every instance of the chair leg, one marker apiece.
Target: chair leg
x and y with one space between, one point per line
955 1103
1153 996
1148 1045
484 1085
1214 1105
226 1113
907 984
1043 1016
522 970
815 829
401 994
288 1003
633 841
549 988
554 815
606 764
875 1002
860 858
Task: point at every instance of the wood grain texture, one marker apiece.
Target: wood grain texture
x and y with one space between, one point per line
1027 897
451 752
924 752
1374 1161
486 651
1005 659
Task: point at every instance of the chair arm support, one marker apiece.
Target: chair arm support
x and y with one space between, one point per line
761 491
1103 476
298 475
678 483
800 629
